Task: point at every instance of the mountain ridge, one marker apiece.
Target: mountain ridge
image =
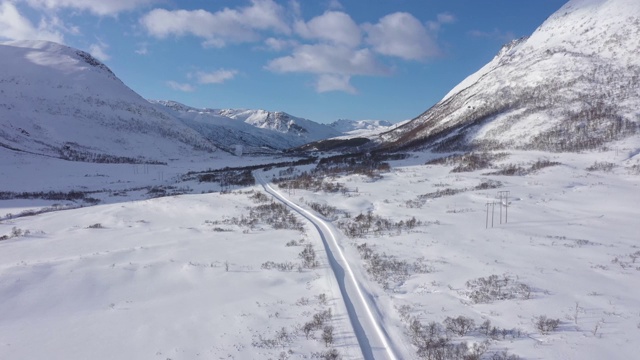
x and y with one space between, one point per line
567 87
62 102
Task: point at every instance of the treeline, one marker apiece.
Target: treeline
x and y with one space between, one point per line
50 195
228 178
265 167
67 152
370 165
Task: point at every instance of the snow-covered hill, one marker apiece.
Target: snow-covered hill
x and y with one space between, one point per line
572 85
61 102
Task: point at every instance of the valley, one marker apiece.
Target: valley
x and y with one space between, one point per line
499 224
183 264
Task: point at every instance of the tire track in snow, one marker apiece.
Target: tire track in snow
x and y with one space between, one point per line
373 339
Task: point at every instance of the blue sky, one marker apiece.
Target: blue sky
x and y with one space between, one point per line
322 59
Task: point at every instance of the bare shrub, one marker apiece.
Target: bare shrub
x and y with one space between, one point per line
274 214
488 184
281 338
494 287
331 354
317 322
15 232
327 335
546 325
504 355
292 243
284 266
365 224
460 325
601 166
385 268
308 256
259 197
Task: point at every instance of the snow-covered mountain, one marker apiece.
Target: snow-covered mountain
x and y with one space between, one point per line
61 102
357 127
306 130
257 131
573 84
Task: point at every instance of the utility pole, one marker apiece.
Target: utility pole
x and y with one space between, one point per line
504 195
493 208
486 226
506 207
500 207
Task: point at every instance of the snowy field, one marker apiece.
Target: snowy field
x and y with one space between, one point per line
183 277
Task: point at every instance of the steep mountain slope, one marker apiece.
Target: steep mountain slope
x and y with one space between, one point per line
61 102
573 84
228 133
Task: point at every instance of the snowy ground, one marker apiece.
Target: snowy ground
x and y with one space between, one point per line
168 278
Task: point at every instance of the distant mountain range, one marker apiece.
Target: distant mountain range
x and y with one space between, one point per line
62 102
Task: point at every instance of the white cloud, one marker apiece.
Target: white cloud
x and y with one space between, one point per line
327 82
99 51
335 4
504 36
295 7
442 19
263 15
402 35
14 26
328 59
215 77
333 64
279 44
332 26
218 28
446 18
143 49
97 7
180 87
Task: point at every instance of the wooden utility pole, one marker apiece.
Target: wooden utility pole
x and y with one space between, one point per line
504 199
506 207
493 208
500 207
486 226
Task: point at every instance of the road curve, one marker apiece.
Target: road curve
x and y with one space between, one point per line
372 338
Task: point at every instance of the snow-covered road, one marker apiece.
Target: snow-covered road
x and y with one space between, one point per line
363 313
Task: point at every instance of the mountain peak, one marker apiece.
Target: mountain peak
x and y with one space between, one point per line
57 56
62 102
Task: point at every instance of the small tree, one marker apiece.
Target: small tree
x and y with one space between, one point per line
460 325
546 325
327 335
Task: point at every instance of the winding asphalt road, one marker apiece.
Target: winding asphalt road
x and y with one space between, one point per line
364 315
